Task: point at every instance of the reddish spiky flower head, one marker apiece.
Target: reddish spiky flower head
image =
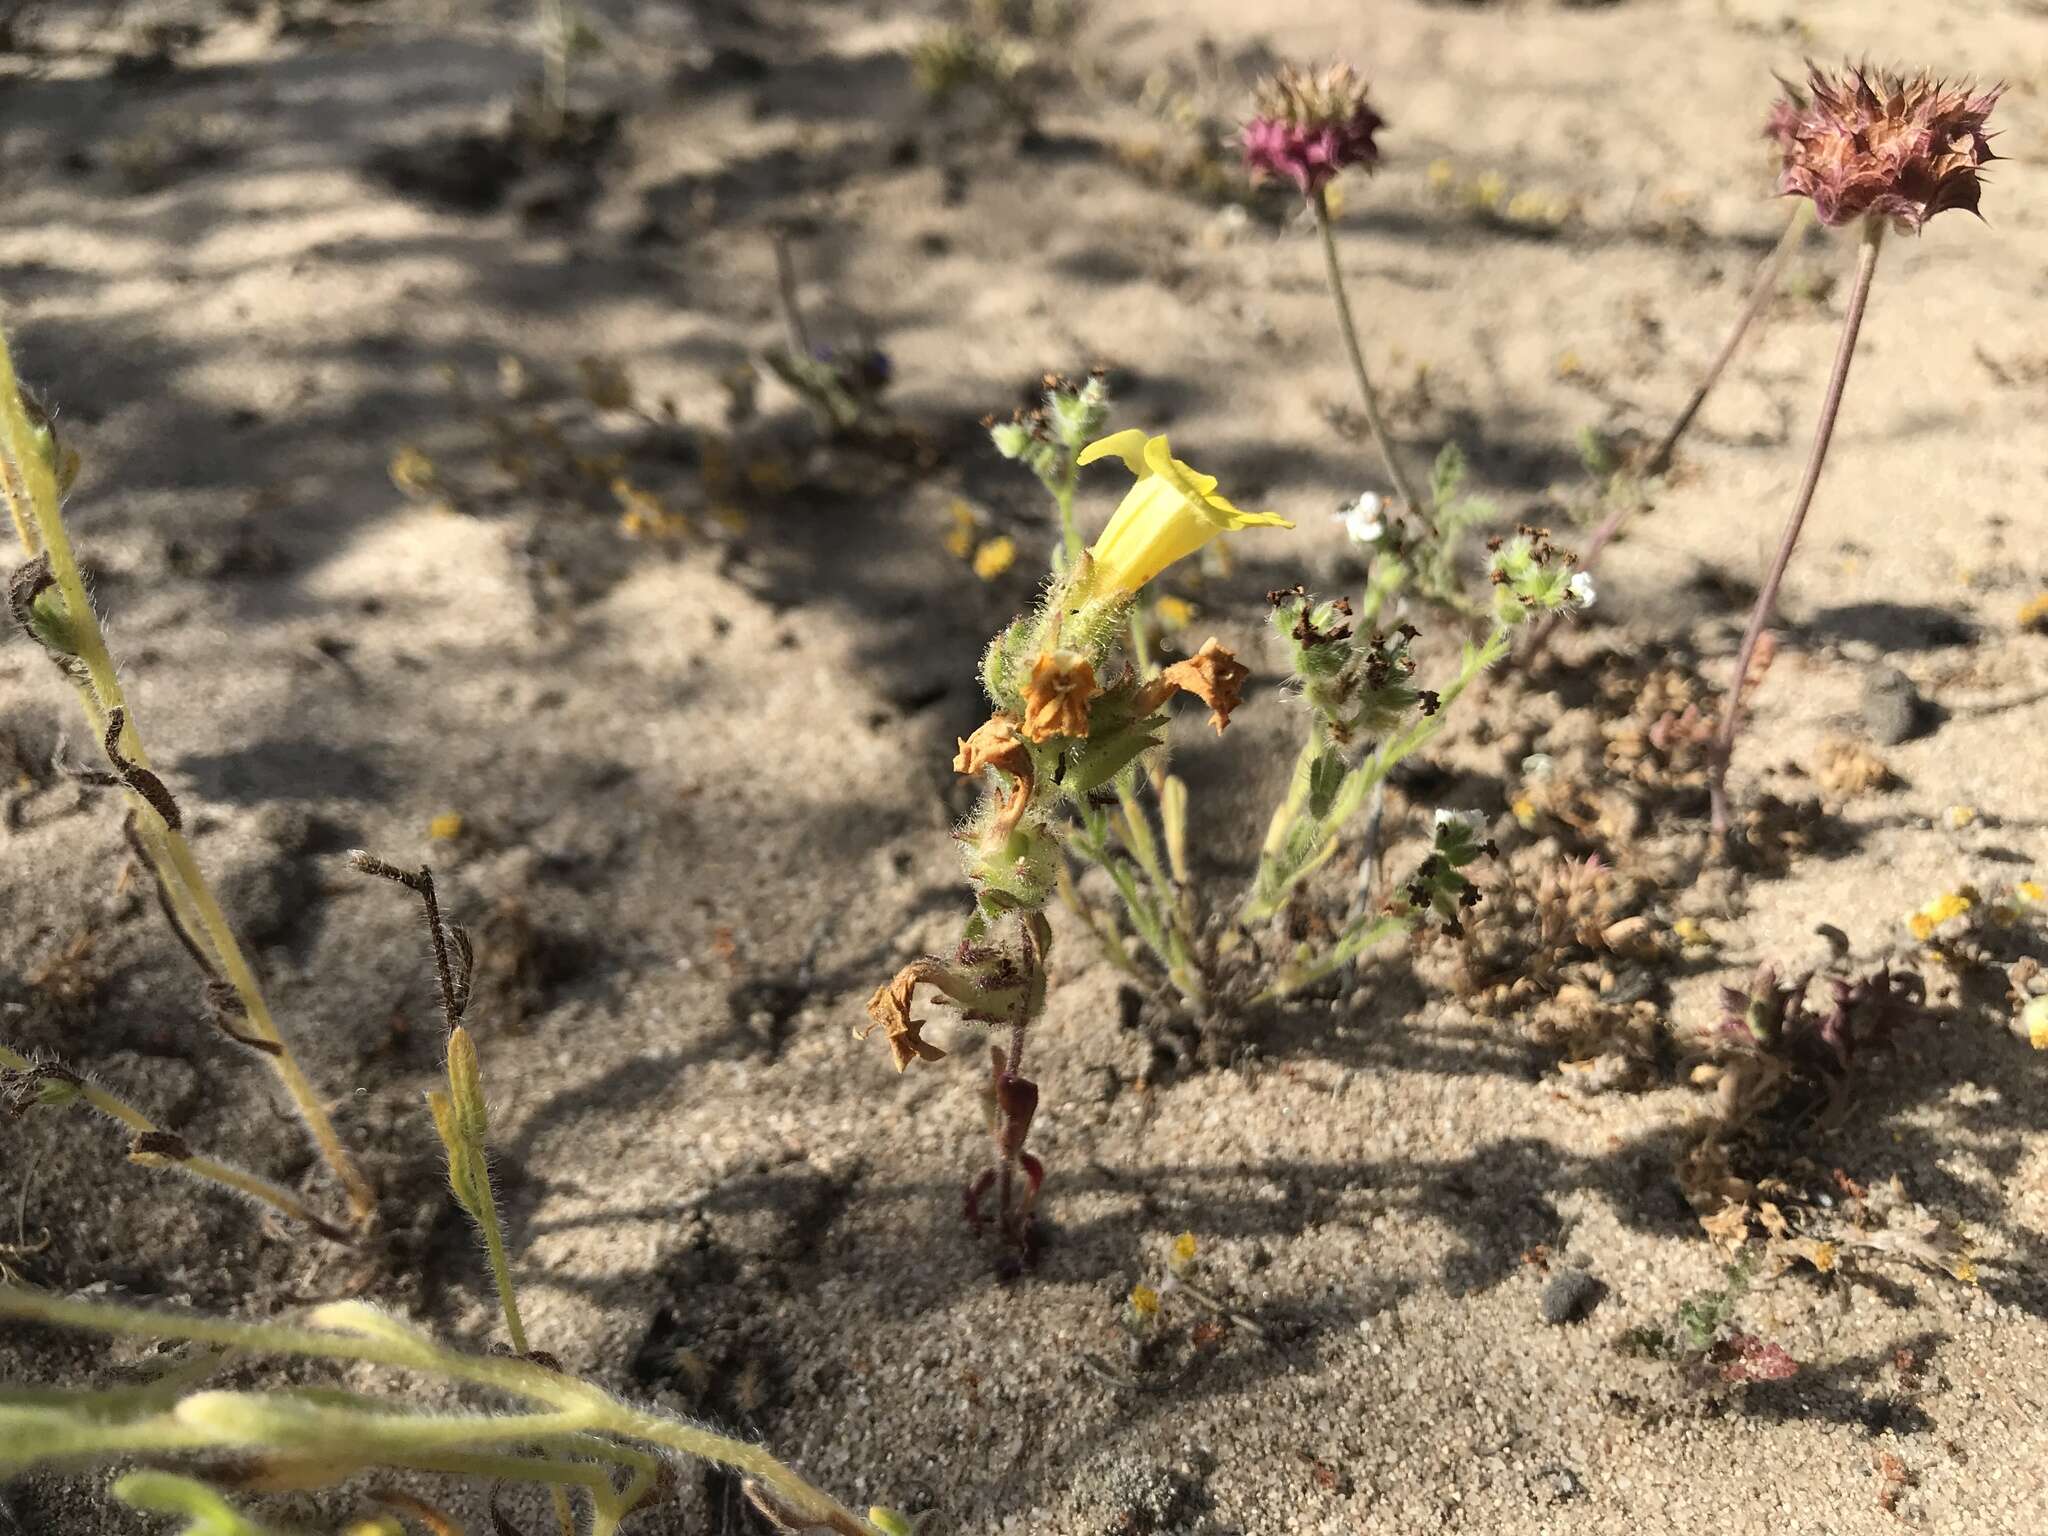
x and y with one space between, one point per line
1309 125
1868 142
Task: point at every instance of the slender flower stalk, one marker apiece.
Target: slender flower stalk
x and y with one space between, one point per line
1660 457
1308 127
32 457
1876 148
1760 293
1767 598
1368 397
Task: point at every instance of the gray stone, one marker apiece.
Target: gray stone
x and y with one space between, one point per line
1569 1296
1893 710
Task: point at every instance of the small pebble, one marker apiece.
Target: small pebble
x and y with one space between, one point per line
1893 710
1569 1296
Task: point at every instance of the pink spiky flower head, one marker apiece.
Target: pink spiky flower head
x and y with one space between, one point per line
1309 125
1871 143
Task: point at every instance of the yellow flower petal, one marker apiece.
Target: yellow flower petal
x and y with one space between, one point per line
1170 513
1191 483
1128 445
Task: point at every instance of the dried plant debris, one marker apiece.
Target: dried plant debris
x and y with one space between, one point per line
1847 770
1814 1216
1569 948
1971 932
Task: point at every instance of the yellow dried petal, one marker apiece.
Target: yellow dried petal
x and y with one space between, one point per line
412 471
960 537
995 557
2035 1018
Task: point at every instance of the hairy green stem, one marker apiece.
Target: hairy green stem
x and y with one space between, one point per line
1070 535
1135 829
1355 940
210 1169
355 1332
1104 928
1277 878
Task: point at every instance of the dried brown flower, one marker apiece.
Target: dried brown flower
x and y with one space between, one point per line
994 744
1871 143
889 1009
1212 674
1056 699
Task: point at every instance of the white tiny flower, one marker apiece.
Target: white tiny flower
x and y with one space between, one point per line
1362 520
1580 589
1473 821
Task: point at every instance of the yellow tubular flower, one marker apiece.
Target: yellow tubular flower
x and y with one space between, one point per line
1169 514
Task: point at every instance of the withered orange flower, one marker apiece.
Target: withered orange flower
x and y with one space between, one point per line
994 744
1869 142
889 1010
1057 697
1212 675
1008 815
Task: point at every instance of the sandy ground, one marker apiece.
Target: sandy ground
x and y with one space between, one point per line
704 791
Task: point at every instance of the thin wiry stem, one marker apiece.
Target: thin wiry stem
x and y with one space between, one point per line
799 340
210 1169
1368 396
1767 598
1760 294
176 866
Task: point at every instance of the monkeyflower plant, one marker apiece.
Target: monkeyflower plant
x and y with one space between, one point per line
1872 150
1074 769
